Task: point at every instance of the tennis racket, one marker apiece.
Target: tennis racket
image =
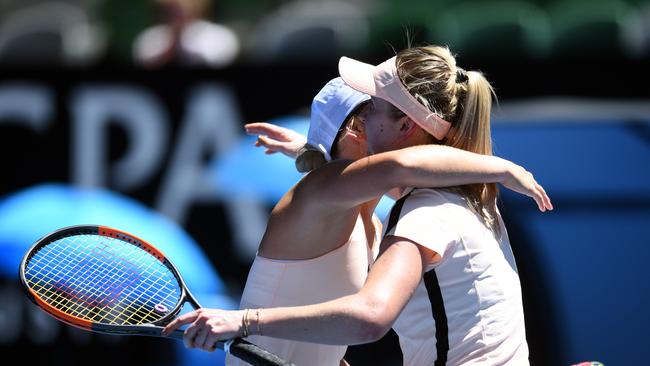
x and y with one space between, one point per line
108 281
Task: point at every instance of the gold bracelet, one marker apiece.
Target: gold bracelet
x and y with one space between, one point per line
248 322
259 327
245 322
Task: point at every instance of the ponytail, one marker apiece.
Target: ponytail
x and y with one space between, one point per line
471 132
463 98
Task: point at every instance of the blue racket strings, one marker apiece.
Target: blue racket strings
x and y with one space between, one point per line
103 280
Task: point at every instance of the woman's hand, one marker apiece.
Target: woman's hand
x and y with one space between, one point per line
207 327
276 139
522 181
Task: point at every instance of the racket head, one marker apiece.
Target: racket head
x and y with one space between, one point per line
102 279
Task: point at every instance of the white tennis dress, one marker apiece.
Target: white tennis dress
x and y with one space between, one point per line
273 283
467 310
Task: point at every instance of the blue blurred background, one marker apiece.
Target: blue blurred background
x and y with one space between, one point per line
130 114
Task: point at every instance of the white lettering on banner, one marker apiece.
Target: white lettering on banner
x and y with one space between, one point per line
138 113
26 103
211 124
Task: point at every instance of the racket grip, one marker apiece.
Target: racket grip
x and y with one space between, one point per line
245 351
255 355
177 334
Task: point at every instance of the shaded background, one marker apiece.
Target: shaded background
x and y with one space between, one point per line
105 116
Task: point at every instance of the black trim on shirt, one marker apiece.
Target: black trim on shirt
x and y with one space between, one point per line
395 213
439 316
433 289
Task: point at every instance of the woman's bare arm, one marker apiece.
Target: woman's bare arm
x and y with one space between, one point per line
360 318
425 166
276 138
347 183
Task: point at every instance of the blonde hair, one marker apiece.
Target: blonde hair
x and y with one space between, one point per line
464 99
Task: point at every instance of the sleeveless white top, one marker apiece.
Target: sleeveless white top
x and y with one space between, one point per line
274 283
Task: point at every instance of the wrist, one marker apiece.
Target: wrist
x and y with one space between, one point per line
255 327
243 326
250 323
508 170
296 151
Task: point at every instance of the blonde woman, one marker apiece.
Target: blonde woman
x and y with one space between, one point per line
450 242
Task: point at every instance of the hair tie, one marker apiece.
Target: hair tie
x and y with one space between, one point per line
461 75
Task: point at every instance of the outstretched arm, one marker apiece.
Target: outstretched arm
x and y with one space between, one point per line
276 138
360 318
347 184
424 166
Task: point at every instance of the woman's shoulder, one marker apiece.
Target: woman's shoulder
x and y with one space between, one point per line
435 195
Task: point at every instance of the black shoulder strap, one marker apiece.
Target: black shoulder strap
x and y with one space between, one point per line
395 213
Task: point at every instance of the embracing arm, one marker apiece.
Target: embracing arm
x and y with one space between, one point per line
360 318
423 166
345 183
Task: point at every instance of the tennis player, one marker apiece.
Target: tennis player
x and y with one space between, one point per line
445 263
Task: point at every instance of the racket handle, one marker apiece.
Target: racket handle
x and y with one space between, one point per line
254 355
177 334
245 351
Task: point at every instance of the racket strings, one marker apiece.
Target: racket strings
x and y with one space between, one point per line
95 308
104 280
106 313
81 293
63 293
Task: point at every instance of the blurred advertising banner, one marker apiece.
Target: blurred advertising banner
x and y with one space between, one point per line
138 151
169 145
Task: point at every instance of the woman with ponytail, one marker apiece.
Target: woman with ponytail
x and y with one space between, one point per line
445 277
